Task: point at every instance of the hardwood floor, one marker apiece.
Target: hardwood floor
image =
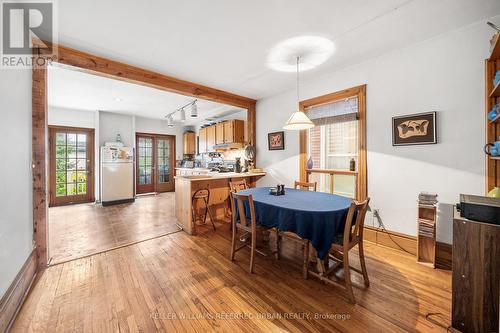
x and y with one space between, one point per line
180 283
76 231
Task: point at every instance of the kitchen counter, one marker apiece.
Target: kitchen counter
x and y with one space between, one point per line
221 175
218 184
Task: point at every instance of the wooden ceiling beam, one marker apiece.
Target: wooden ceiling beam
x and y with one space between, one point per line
117 70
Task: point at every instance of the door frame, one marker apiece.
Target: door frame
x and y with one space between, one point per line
154 136
93 64
90 197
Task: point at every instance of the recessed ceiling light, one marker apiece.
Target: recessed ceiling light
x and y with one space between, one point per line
312 50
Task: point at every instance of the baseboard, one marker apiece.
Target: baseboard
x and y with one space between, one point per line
407 243
14 296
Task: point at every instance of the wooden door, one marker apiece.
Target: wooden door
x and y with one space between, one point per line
144 163
202 141
71 165
219 133
155 163
210 138
165 163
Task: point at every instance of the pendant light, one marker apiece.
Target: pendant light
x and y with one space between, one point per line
298 120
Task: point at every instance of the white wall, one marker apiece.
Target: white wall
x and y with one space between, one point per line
445 74
16 213
111 124
71 117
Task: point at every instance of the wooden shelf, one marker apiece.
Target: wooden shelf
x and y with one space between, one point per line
495 158
496 91
495 54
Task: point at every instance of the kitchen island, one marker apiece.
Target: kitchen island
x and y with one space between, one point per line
218 184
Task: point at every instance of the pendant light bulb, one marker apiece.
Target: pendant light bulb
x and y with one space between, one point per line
298 120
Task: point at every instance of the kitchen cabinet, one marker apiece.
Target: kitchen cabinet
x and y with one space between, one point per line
202 145
219 133
231 131
234 131
189 139
210 138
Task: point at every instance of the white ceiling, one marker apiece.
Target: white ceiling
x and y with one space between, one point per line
224 43
73 89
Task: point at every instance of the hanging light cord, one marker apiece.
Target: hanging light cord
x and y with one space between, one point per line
298 98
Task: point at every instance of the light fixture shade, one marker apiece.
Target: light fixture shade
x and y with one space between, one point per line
170 121
298 121
194 110
183 115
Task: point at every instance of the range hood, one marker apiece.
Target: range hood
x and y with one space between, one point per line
228 146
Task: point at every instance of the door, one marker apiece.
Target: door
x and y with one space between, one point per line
210 138
228 132
155 163
165 163
71 165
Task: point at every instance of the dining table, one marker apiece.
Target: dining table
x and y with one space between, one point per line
316 216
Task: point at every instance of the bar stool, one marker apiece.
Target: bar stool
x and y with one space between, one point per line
204 196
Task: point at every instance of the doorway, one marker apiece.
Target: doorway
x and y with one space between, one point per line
71 165
155 165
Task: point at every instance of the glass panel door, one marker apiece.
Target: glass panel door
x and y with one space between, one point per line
71 165
145 165
155 163
165 160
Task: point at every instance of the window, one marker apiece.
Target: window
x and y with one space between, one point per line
335 142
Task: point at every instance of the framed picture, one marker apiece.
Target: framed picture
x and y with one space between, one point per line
276 140
414 129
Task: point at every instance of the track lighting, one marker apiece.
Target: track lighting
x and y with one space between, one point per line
170 121
193 113
194 110
183 115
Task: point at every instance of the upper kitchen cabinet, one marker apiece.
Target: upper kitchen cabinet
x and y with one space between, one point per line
210 137
189 139
219 133
234 131
202 143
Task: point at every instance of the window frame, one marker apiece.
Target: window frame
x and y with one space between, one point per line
360 93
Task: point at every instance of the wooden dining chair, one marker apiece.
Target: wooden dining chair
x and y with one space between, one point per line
293 236
305 186
238 185
339 251
248 224
235 187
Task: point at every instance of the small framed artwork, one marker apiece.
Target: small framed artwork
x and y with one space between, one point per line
414 129
276 140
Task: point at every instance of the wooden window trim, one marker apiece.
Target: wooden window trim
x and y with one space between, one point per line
360 93
96 65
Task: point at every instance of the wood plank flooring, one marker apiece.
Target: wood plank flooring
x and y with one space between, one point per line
182 283
76 231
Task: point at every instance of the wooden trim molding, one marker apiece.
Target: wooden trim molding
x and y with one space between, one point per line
360 92
14 296
399 241
97 65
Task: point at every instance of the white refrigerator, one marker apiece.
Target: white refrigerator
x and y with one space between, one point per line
117 175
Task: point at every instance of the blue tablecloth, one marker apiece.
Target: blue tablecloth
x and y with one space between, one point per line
315 216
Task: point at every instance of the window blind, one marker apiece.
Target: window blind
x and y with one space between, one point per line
336 112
